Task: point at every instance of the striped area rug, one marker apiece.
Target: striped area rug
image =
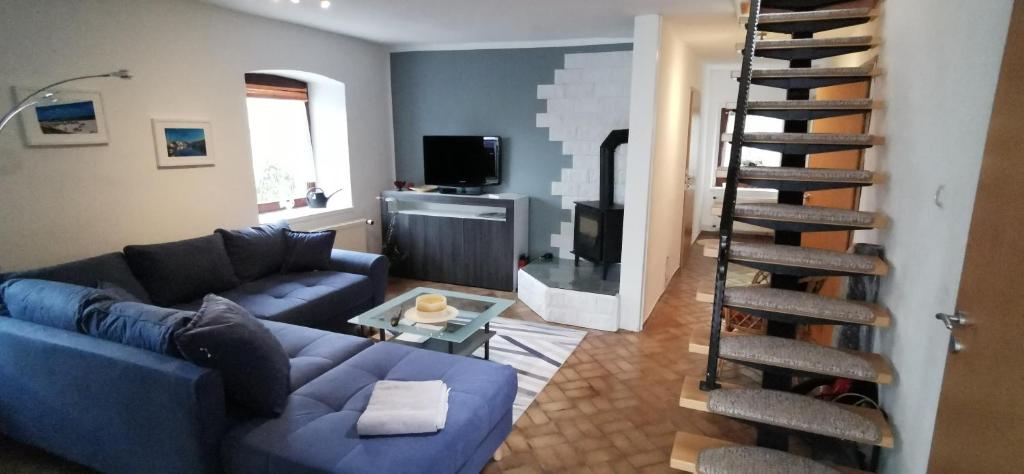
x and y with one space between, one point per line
535 350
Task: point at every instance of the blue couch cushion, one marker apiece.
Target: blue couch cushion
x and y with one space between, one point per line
317 431
307 251
110 267
176 272
50 303
135 324
313 299
224 336
312 352
257 251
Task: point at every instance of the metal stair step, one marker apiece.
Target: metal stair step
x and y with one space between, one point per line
794 355
797 218
790 411
814 21
802 179
811 109
701 454
808 143
800 5
802 261
796 306
811 78
811 48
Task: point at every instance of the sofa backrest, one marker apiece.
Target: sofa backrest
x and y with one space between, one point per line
111 267
106 405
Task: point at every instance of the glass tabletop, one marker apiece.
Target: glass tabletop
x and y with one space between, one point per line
474 312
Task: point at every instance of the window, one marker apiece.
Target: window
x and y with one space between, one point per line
283 162
750 156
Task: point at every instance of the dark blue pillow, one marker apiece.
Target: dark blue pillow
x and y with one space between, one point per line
257 251
182 271
307 251
135 324
252 362
49 303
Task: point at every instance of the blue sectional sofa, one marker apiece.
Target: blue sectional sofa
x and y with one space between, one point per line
118 408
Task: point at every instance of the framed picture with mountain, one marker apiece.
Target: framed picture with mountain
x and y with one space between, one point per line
66 118
181 144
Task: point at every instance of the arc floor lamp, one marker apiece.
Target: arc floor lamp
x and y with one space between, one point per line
46 94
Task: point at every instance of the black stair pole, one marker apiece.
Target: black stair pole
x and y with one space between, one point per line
729 198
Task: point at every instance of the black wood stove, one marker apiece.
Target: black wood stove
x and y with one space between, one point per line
597 235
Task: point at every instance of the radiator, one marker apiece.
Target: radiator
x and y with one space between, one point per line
353 235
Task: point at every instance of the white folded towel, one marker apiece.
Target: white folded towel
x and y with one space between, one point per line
398 408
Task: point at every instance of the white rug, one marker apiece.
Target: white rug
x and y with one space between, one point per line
535 350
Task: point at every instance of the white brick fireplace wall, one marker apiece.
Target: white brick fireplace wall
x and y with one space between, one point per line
589 99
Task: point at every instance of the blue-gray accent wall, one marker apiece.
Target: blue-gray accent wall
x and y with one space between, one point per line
486 92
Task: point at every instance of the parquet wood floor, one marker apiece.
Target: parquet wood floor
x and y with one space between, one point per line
614 405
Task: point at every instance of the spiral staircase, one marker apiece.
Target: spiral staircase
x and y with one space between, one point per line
774 408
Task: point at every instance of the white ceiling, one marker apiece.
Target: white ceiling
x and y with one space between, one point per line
425 24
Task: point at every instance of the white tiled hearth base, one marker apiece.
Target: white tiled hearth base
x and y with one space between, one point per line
576 308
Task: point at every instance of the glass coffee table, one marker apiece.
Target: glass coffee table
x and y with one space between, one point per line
462 335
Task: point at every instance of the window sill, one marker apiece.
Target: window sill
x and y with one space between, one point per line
300 215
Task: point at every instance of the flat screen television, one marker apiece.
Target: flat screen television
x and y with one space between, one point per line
462 161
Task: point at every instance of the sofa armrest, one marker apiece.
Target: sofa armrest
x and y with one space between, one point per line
108 406
370 264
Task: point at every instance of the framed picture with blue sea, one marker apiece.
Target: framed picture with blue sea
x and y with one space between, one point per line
182 144
65 119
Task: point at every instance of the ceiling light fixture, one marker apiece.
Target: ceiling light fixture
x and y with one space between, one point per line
325 3
296 1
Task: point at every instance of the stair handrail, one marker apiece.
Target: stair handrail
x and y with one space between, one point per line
729 199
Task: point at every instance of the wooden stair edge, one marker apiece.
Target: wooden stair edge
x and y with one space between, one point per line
693 398
811 138
700 339
686 449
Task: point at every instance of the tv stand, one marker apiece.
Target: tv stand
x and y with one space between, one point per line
459 239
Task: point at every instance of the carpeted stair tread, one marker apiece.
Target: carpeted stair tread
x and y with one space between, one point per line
846 104
794 411
804 304
804 174
814 43
812 138
797 355
866 70
755 460
806 214
790 411
818 15
803 257
701 454
799 4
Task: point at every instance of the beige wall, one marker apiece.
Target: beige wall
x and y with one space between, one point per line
188 59
679 70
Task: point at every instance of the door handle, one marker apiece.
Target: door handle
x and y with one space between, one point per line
953 321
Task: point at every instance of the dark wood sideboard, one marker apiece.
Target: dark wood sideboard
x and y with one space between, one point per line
458 239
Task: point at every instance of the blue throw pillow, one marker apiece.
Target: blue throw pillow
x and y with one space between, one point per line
135 324
49 303
257 251
307 251
179 272
252 362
